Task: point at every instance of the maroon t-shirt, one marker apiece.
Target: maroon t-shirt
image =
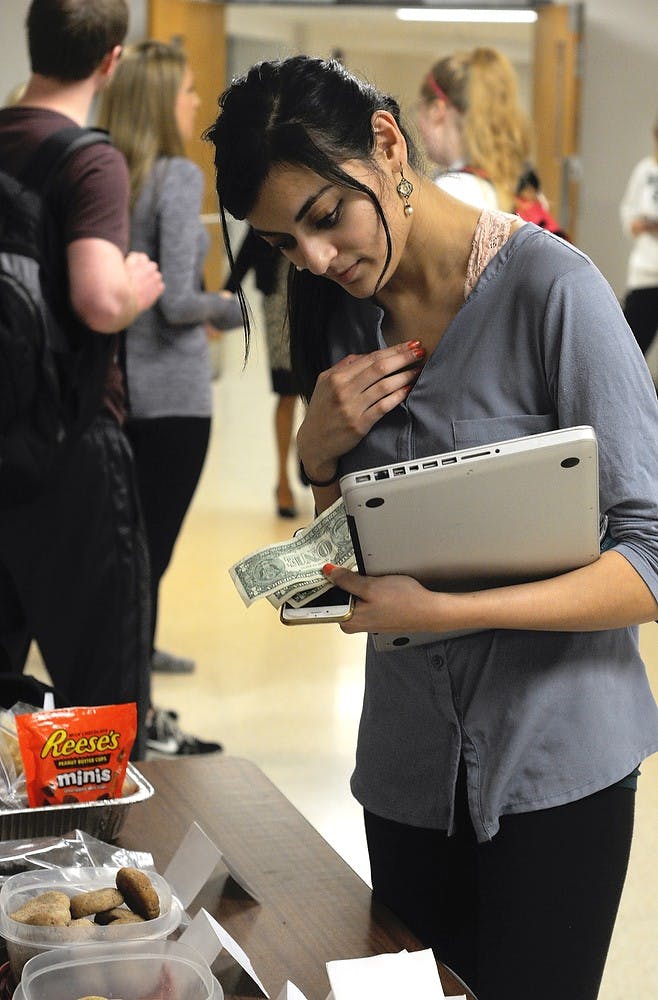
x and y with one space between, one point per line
92 198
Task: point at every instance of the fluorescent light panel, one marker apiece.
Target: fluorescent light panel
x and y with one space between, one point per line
456 14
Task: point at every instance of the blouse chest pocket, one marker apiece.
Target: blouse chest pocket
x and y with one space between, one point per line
486 430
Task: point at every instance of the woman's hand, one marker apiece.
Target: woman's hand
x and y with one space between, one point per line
386 603
608 593
350 398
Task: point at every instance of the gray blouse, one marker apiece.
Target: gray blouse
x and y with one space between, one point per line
539 718
168 367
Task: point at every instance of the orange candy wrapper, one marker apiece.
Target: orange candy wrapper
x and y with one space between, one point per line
76 754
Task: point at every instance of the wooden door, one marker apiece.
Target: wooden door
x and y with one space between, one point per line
199 26
556 107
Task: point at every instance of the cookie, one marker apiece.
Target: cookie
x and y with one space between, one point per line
138 892
85 904
48 909
52 898
80 930
42 916
118 915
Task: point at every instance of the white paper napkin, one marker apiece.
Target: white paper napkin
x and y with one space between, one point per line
386 977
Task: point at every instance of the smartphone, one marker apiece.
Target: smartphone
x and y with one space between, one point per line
334 605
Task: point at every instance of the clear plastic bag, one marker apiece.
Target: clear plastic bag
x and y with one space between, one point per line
13 790
77 850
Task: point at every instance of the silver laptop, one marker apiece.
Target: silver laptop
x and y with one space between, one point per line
508 512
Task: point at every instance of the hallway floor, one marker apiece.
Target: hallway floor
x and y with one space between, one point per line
289 698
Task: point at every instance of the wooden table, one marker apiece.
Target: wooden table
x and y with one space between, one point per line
314 908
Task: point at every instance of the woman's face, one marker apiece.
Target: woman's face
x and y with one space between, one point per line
187 105
431 118
423 116
332 231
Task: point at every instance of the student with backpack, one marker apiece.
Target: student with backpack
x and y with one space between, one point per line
73 570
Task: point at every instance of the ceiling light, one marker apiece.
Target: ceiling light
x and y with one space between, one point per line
491 16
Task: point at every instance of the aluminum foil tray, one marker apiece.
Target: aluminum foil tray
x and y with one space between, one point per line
101 819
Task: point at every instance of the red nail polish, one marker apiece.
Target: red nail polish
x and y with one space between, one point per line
418 352
328 568
412 343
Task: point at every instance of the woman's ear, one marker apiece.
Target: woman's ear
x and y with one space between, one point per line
389 141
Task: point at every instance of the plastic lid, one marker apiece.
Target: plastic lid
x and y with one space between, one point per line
128 971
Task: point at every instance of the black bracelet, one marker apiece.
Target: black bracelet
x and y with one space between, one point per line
318 482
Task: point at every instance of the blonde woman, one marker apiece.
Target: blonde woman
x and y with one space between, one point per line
150 111
473 127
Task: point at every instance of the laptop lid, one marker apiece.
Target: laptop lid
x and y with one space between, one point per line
512 511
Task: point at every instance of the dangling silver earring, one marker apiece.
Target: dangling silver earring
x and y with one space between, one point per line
404 189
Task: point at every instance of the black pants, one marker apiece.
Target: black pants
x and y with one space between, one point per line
169 454
74 577
641 312
528 914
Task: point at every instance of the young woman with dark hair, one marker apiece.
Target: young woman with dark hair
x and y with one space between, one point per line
495 770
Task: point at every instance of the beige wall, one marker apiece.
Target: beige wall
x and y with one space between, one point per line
620 102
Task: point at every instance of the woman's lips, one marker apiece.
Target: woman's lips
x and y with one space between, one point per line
344 277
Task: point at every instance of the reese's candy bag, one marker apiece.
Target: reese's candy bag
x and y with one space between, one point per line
76 754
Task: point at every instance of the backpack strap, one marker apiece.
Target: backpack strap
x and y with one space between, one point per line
51 155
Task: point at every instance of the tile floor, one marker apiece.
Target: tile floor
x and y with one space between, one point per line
289 699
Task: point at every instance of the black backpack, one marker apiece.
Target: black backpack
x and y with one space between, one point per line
49 389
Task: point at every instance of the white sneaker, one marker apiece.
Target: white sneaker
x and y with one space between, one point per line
164 738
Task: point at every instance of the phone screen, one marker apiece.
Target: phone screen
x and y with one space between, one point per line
333 598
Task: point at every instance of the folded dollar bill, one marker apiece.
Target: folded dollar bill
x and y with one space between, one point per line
292 570
298 598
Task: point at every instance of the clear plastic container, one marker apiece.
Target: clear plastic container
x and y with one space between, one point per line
24 941
135 971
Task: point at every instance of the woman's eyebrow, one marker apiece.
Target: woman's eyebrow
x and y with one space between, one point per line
268 232
308 204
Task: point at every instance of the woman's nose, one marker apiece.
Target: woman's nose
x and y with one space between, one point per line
317 255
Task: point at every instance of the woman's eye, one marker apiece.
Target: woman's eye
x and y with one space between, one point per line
332 219
282 245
